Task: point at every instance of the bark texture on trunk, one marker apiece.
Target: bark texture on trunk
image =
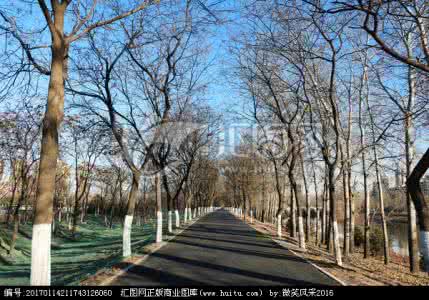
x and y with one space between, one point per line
333 213
409 157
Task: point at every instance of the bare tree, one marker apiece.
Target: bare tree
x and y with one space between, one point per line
20 133
408 22
84 19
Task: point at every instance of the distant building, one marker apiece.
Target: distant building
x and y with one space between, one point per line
384 185
398 181
424 185
395 195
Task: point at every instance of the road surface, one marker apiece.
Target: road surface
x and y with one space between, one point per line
221 250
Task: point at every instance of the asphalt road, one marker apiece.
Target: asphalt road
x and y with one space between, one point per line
221 250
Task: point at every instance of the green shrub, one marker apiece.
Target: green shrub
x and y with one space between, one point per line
376 241
359 238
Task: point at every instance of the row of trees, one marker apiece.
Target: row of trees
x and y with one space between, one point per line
136 121
336 91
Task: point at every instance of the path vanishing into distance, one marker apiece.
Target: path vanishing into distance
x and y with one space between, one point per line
220 249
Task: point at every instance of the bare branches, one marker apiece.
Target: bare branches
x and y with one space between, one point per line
75 34
12 29
407 12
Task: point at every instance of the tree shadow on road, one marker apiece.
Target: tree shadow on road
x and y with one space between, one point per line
285 255
263 244
142 275
241 233
267 279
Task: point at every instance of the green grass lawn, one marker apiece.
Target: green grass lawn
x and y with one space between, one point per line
95 248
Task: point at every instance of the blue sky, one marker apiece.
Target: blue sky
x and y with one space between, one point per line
222 94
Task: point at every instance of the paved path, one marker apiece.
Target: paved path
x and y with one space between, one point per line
220 249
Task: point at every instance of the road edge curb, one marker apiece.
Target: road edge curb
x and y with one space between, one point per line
313 264
341 282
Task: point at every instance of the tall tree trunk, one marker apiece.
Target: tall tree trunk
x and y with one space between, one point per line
41 237
244 204
409 157
280 208
348 168
346 228
297 193
112 208
383 217
60 213
324 208
263 212
85 203
317 206
365 182
352 210
169 203
333 213
307 201
363 93
16 219
278 215
77 199
292 214
380 186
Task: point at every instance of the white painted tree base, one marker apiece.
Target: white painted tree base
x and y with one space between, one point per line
424 248
126 236
301 232
338 257
279 226
176 212
170 221
41 255
186 215
158 227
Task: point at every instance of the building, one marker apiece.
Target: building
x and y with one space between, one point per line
384 184
398 181
424 185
